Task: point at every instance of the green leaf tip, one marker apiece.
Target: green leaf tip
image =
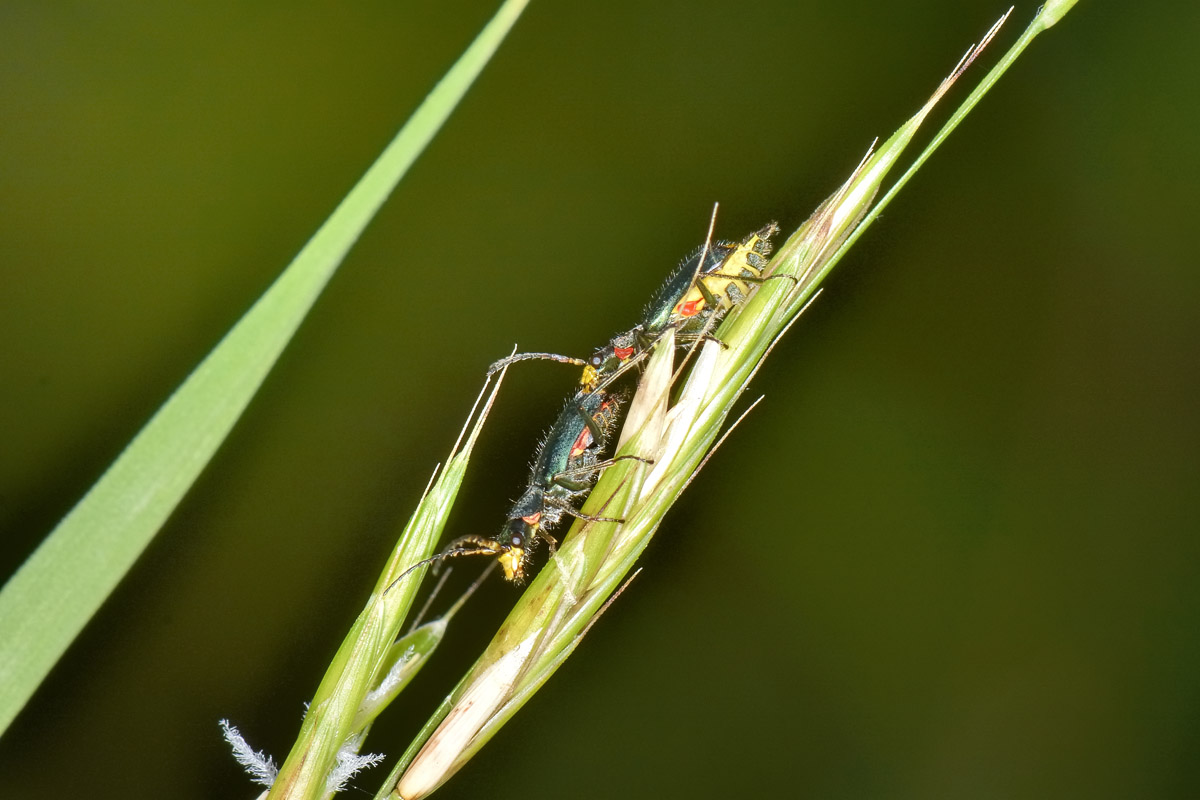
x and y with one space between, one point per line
1054 10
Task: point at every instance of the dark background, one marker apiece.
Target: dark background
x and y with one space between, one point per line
954 552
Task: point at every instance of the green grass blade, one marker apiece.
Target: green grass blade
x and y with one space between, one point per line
57 590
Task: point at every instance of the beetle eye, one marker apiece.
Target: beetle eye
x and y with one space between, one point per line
517 540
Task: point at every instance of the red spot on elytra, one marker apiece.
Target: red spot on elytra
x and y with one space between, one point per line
691 308
623 352
583 442
532 519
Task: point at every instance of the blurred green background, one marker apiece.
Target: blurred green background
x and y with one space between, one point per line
954 552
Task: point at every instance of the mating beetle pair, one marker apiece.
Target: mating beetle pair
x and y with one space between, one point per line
707 284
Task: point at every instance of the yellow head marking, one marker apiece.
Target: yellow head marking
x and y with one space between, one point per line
512 561
590 378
